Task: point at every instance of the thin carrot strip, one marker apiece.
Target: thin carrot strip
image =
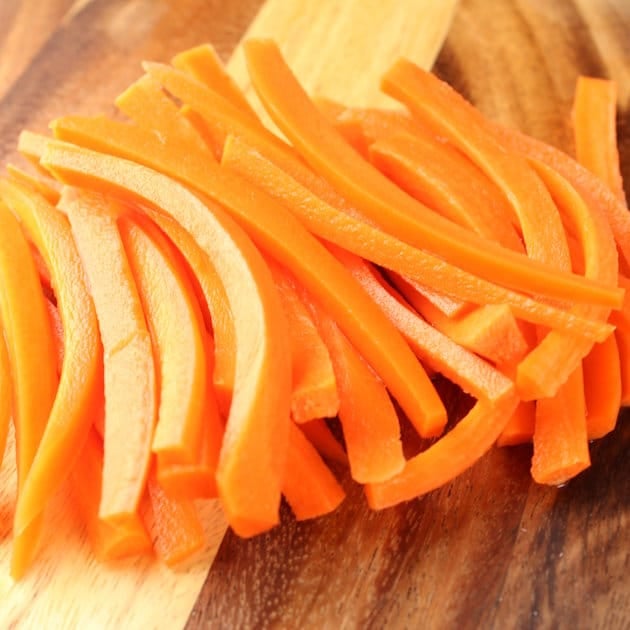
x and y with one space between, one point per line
368 242
31 145
520 427
254 447
309 486
314 390
321 437
46 189
595 131
33 374
130 387
6 389
81 375
375 196
282 236
370 425
203 63
175 526
174 321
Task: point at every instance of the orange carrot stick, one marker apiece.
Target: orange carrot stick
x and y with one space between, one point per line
321 437
81 376
309 486
46 189
130 388
174 321
254 447
376 197
621 321
521 425
33 374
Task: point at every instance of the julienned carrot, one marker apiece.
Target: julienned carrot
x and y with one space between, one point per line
549 364
560 439
251 465
451 455
108 542
309 486
369 421
33 374
602 388
283 238
321 437
46 189
521 425
130 373
314 390
378 198
174 321
370 243
203 63
595 131
81 378
6 389
174 525
438 175
219 317
471 373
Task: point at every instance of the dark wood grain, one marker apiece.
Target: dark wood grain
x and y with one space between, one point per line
491 550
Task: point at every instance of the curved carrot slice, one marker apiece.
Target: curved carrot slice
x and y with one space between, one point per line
379 199
33 374
321 437
203 63
81 377
369 421
45 189
451 455
595 131
362 239
130 388
6 389
174 322
309 486
471 373
282 236
314 390
251 465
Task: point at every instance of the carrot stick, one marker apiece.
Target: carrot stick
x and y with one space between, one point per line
283 238
254 447
33 374
376 197
46 189
621 320
203 63
130 400
368 242
314 390
81 376
31 145
451 455
595 131
309 486
174 321
521 425
321 437
370 425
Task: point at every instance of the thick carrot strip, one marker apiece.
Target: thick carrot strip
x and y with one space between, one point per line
46 189
451 455
203 63
282 236
602 388
379 199
251 465
560 439
439 176
472 374
174 321
595 131
130 373
6 389
309 486
314 390
174 525
81 376
362 239
33 374
520 427
321 437
108 542
369 421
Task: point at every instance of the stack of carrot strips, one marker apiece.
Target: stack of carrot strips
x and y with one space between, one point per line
205 295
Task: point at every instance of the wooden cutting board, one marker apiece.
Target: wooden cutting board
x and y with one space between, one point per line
491 549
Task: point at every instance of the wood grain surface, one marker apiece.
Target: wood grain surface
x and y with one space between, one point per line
492 549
